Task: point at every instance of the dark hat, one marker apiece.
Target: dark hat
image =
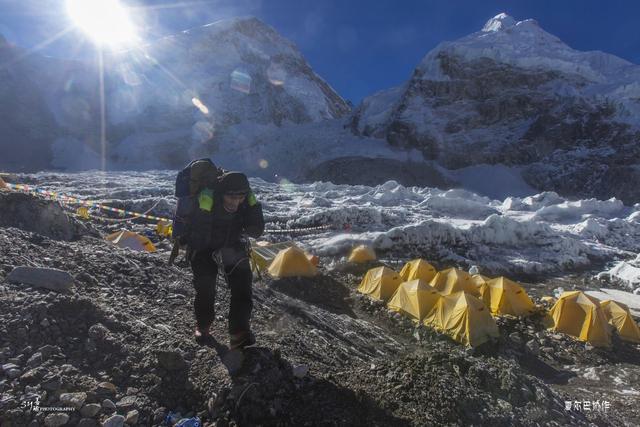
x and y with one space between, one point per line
234 183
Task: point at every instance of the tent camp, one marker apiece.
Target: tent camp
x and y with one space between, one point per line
417 269
619 316
463 317
452 280
131 240
414 299
362 254
292 262
581 316
380 283
505 297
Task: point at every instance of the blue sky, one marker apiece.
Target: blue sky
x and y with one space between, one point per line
359 47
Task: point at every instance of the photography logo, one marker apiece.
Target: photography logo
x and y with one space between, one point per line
33 404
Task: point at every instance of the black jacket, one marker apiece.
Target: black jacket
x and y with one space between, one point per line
227 228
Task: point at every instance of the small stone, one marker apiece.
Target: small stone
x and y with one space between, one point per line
547 350
132 391
108 405
33 376
48 350
300 371
45 323
13 373
75 400
87 422
106 388
132 417
90 410
114 421
515 337
98 332
588 346
55 420
8 366
126 402
53 383
159 414
35 360
533 347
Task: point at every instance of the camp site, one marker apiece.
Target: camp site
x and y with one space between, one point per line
366 214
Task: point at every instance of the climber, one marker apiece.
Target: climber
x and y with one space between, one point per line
233 214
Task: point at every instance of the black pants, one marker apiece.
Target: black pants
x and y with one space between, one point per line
205 273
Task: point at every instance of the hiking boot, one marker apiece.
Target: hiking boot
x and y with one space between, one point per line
241 340
202 332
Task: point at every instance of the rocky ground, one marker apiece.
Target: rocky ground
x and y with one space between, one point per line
118 348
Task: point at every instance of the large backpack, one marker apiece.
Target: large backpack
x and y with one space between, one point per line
195 186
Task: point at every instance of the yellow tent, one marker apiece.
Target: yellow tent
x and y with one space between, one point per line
164 229
619 316
414 299
362 254
291 262
417 269
380 283
581 316
480 281
452 280
503 296
463 317
263 253
131 240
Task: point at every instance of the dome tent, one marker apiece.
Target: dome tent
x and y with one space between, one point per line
292 262
505 297
417 269
619 316
131 240
380 283
452 280
463 317
414 299
581 316
361 254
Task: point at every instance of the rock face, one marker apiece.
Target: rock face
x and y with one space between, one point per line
515 94
44 217
364 171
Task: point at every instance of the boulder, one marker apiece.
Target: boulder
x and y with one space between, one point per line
48 278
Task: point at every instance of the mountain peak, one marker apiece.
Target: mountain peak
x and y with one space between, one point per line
500 22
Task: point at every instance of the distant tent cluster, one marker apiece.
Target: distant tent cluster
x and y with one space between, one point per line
463 306
450 301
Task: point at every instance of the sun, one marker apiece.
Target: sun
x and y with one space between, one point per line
105 21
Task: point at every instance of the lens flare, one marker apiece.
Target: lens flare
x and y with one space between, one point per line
263 164
241 81
105 21
200 106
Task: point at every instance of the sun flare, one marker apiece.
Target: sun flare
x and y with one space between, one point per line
105 21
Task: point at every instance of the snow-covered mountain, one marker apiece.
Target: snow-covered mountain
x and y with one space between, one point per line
165 102
517 95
